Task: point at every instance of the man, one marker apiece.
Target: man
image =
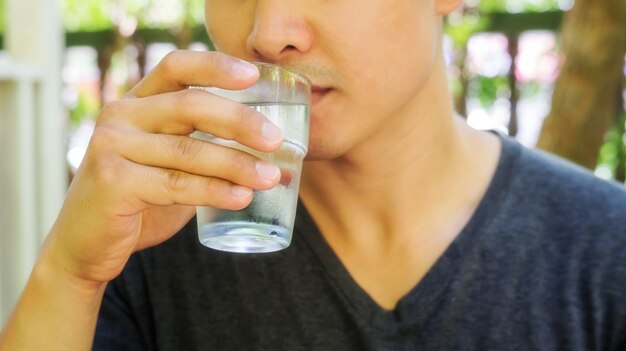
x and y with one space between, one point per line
414 231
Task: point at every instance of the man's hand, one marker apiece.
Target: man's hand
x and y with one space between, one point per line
139 182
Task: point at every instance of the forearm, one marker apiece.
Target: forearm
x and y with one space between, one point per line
56 311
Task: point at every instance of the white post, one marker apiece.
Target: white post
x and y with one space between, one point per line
32 139
20 241
34 35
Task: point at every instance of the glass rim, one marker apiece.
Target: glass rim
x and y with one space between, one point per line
289 70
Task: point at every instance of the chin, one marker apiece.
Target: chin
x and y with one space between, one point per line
326 140
321 150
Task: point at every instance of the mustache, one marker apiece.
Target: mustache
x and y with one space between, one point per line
316 73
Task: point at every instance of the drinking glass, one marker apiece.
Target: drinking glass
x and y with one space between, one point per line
266 225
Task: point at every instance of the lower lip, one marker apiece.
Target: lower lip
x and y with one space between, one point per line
316 96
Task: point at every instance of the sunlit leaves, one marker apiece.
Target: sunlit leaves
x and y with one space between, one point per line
90 15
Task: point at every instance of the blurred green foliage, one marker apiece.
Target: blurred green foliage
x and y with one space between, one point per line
612 158
95 15
514 6
86 108
92 15
474 16
2 20
86 15
488 89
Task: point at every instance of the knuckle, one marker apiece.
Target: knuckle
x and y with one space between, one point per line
176 182
103 138
190 98
107 170
106 165
245 116
170 62
242 163
110 111
187 148
221 60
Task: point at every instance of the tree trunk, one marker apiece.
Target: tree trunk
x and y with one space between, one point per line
583 104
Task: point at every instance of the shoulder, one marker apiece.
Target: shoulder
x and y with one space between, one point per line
558 191
561 216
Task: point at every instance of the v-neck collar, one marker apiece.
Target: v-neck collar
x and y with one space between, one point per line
422 298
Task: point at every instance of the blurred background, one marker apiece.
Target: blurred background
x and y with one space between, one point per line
548 72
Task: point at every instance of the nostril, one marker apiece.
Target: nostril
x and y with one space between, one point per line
289 48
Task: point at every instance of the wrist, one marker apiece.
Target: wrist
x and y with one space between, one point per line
56 309
55 266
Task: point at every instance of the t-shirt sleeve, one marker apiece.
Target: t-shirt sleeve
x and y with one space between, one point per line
123 323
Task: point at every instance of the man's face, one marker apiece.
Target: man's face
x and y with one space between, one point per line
367 59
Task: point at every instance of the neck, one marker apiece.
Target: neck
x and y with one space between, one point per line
406 179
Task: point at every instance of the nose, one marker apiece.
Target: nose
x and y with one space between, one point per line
280 31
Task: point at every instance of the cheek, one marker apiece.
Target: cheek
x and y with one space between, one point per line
383 66
391 53
381 80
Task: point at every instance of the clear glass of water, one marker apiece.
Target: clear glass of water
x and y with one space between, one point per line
266 225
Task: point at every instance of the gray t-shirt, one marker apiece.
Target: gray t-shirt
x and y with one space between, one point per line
540 266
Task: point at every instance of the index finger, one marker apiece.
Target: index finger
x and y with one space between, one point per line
181 69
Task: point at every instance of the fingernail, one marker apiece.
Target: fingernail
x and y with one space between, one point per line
271 132
240 191
267 171
244 69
